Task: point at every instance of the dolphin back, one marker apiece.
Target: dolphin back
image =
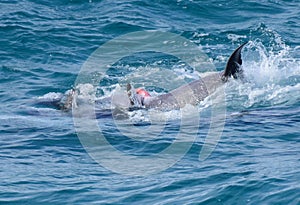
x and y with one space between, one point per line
233 67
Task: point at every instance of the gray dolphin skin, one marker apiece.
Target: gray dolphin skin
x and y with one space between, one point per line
193 92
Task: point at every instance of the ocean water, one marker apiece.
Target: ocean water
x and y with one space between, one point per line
45 159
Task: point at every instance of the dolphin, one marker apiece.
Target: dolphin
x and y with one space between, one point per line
191 93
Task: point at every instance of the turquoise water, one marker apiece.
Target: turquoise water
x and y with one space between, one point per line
43 46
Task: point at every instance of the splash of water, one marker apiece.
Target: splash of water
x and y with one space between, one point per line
273 77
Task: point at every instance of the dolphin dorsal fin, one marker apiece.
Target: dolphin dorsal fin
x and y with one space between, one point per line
233 67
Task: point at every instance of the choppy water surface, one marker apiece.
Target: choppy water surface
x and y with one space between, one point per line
256 161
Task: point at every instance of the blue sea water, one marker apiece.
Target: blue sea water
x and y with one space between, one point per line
44 45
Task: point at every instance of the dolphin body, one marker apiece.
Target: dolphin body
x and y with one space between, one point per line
194 92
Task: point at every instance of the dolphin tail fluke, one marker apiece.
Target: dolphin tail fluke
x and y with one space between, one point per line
233 67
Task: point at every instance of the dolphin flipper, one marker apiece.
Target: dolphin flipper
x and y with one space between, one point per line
233 67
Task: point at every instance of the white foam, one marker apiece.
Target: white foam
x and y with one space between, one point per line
51 96
273 77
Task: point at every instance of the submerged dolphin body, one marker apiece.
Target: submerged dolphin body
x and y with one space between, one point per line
193 92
